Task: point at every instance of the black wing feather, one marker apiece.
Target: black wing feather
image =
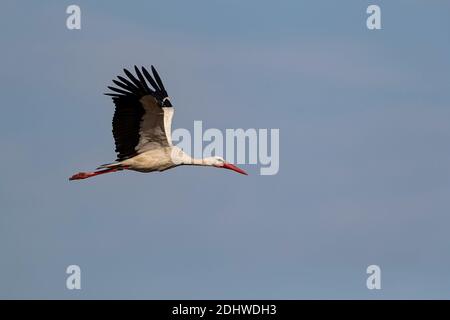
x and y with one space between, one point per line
119 90
142 80
135 81
123 86
129 84
126 121
150 79
158 79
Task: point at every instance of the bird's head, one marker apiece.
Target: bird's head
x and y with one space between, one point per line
219 162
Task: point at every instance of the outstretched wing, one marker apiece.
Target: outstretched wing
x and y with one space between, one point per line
143 117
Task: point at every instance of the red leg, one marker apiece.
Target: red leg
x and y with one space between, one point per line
84 175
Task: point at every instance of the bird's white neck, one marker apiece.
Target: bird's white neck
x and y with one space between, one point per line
201 162
179 157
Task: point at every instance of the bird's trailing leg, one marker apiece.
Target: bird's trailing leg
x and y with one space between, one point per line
85 175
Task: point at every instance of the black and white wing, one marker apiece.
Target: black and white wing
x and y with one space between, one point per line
143 116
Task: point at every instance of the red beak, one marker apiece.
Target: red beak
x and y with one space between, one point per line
234 168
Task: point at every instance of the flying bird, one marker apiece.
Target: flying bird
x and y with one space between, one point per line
142 125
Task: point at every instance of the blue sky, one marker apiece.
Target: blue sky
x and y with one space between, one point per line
364 158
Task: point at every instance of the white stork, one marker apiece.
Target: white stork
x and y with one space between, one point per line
142 129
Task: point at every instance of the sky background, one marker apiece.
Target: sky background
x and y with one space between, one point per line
364 151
